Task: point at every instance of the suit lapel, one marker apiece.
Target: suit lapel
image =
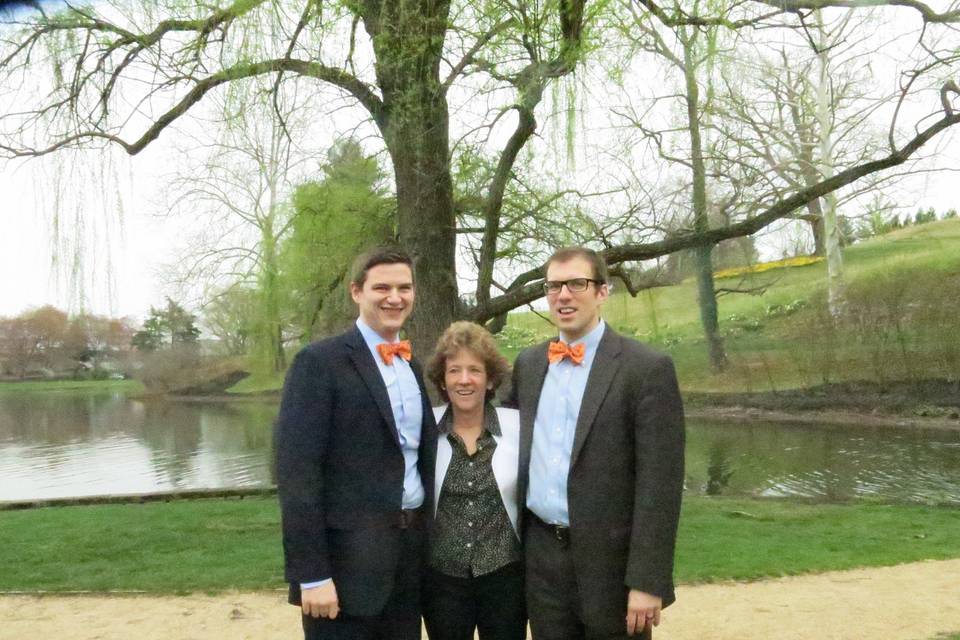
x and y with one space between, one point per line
529 385
529 397
367 368
602 373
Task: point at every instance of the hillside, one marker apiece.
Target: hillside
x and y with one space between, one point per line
900 322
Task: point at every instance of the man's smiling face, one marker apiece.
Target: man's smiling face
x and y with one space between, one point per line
386 298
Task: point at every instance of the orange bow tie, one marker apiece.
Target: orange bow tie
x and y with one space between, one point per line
560 350
388 350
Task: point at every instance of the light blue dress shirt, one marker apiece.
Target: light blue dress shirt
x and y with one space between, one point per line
554 429
407 407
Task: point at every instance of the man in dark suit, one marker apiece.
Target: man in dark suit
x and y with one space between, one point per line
601 466
356 446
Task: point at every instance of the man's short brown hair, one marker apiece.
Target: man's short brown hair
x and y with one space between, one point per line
377 256
474 338
597 263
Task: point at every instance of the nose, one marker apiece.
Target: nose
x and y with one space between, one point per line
464 377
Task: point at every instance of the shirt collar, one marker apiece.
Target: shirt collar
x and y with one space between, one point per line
371 337
490 421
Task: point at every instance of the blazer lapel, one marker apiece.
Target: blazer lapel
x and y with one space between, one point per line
529 385
367 367
529 397
602 373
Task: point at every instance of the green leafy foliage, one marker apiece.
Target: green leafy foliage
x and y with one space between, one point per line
334 219
167 326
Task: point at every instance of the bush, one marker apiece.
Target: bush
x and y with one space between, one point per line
895 325
166 370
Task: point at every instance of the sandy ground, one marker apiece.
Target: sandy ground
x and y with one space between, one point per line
917 601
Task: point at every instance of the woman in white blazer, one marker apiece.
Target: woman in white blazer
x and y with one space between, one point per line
475 575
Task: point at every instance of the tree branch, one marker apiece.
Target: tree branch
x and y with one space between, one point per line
526 287
337 77
928 14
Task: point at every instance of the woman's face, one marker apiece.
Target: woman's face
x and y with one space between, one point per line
466 381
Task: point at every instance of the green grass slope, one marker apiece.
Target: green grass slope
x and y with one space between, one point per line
899 323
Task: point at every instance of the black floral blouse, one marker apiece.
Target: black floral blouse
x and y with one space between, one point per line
472 535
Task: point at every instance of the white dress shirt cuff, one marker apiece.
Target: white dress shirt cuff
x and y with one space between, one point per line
314 585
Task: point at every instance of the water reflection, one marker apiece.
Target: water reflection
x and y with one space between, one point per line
60 445
74 445
823 462
719 468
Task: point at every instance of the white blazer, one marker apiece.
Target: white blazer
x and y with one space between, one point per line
505 462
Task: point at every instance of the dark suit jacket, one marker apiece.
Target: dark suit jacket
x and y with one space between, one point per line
626 470
340 472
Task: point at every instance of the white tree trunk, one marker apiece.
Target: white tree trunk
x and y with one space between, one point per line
831 231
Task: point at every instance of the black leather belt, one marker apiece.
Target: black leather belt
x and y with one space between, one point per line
559 532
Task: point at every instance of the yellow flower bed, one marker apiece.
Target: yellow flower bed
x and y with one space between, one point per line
801 261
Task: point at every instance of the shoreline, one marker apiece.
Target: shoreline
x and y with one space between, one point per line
829 405
697 409
822 417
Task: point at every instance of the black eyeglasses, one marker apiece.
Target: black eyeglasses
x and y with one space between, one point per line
574 285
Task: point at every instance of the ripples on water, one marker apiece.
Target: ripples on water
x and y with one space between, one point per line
823 462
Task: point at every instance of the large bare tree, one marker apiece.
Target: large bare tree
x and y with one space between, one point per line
121 73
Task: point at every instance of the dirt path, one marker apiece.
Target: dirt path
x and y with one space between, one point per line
915 601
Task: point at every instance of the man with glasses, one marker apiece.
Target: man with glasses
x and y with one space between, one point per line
601 466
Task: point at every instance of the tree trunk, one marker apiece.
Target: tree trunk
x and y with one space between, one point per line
831 230
815 220
270 329
408 43
707 296
425 222
707 299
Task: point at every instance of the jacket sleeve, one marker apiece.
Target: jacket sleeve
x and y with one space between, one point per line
301 440
659 437
512 400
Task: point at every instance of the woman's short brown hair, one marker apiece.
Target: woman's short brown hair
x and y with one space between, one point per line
476 339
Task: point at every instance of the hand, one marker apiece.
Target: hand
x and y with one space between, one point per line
320 602
642 609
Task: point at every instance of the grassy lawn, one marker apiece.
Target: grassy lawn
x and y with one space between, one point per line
257 383
72 386
213 545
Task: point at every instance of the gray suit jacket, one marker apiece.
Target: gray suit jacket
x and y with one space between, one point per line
626 470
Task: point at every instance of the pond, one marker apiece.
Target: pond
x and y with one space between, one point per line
67 445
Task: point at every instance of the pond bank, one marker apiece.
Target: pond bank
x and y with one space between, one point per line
821 417
933 404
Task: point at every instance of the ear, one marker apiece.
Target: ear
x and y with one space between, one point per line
355 292
603 292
